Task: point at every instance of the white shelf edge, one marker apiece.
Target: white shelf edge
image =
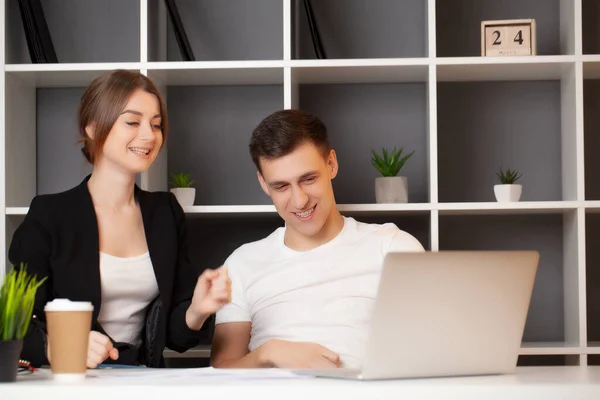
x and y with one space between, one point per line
200 65
443 208
446 208
17 210
517 60
550 348
241 209
361 62
334 63
72 67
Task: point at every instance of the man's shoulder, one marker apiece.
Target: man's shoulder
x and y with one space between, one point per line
257 249
387 234
384 229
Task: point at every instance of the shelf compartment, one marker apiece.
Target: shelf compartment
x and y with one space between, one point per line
542 233
592 232
513 125
362 29
209 124
41 140
593 347
218 30
591 68
458 25
548 360
590 19
83 31
364 116
591 127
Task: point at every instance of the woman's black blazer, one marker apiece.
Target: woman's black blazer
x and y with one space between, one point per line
59 239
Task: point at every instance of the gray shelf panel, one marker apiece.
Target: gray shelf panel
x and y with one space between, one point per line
543 233
364 116
363 28
590 18
591 126
592 232
458 26
82 31
483 126
221 30
210 129
60 163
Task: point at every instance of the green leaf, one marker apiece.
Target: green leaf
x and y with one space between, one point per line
389 164
508 177
181 180
17 298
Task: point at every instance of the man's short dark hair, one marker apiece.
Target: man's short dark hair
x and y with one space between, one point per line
283 131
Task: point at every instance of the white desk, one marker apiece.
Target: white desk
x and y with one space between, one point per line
531 383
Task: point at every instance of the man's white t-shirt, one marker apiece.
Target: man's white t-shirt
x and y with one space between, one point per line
324 295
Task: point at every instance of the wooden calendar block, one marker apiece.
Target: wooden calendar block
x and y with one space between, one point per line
515 37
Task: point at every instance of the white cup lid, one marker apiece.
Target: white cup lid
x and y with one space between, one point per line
68 305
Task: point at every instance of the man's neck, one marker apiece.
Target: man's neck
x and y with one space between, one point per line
332 227
110 188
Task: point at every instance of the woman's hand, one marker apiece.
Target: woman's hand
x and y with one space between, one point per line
99 349
212 292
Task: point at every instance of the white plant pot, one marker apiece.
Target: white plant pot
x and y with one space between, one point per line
185 196
508 193
391 189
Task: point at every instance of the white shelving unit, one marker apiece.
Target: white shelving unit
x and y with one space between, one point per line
448 194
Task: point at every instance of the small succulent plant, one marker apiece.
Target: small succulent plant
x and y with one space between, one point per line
389 164
508 176
181 180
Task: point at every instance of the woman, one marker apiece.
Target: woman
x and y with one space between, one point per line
121 248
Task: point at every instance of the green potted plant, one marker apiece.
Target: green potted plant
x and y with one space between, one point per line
507 190
181 187
17 296
390 188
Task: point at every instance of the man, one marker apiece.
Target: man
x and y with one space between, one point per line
302 297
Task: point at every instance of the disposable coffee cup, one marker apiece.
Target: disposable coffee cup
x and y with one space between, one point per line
68 324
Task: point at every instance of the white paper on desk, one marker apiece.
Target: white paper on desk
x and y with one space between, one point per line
209 373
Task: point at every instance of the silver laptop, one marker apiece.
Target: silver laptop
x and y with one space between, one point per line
447 313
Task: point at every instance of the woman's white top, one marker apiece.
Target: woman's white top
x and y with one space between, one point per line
128 286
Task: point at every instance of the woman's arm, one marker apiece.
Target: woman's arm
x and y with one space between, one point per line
30 247
195 298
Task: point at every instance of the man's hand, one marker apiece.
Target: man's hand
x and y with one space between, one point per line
298 355
212 292
99 349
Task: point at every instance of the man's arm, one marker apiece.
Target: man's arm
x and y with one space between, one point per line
230 350
230 347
